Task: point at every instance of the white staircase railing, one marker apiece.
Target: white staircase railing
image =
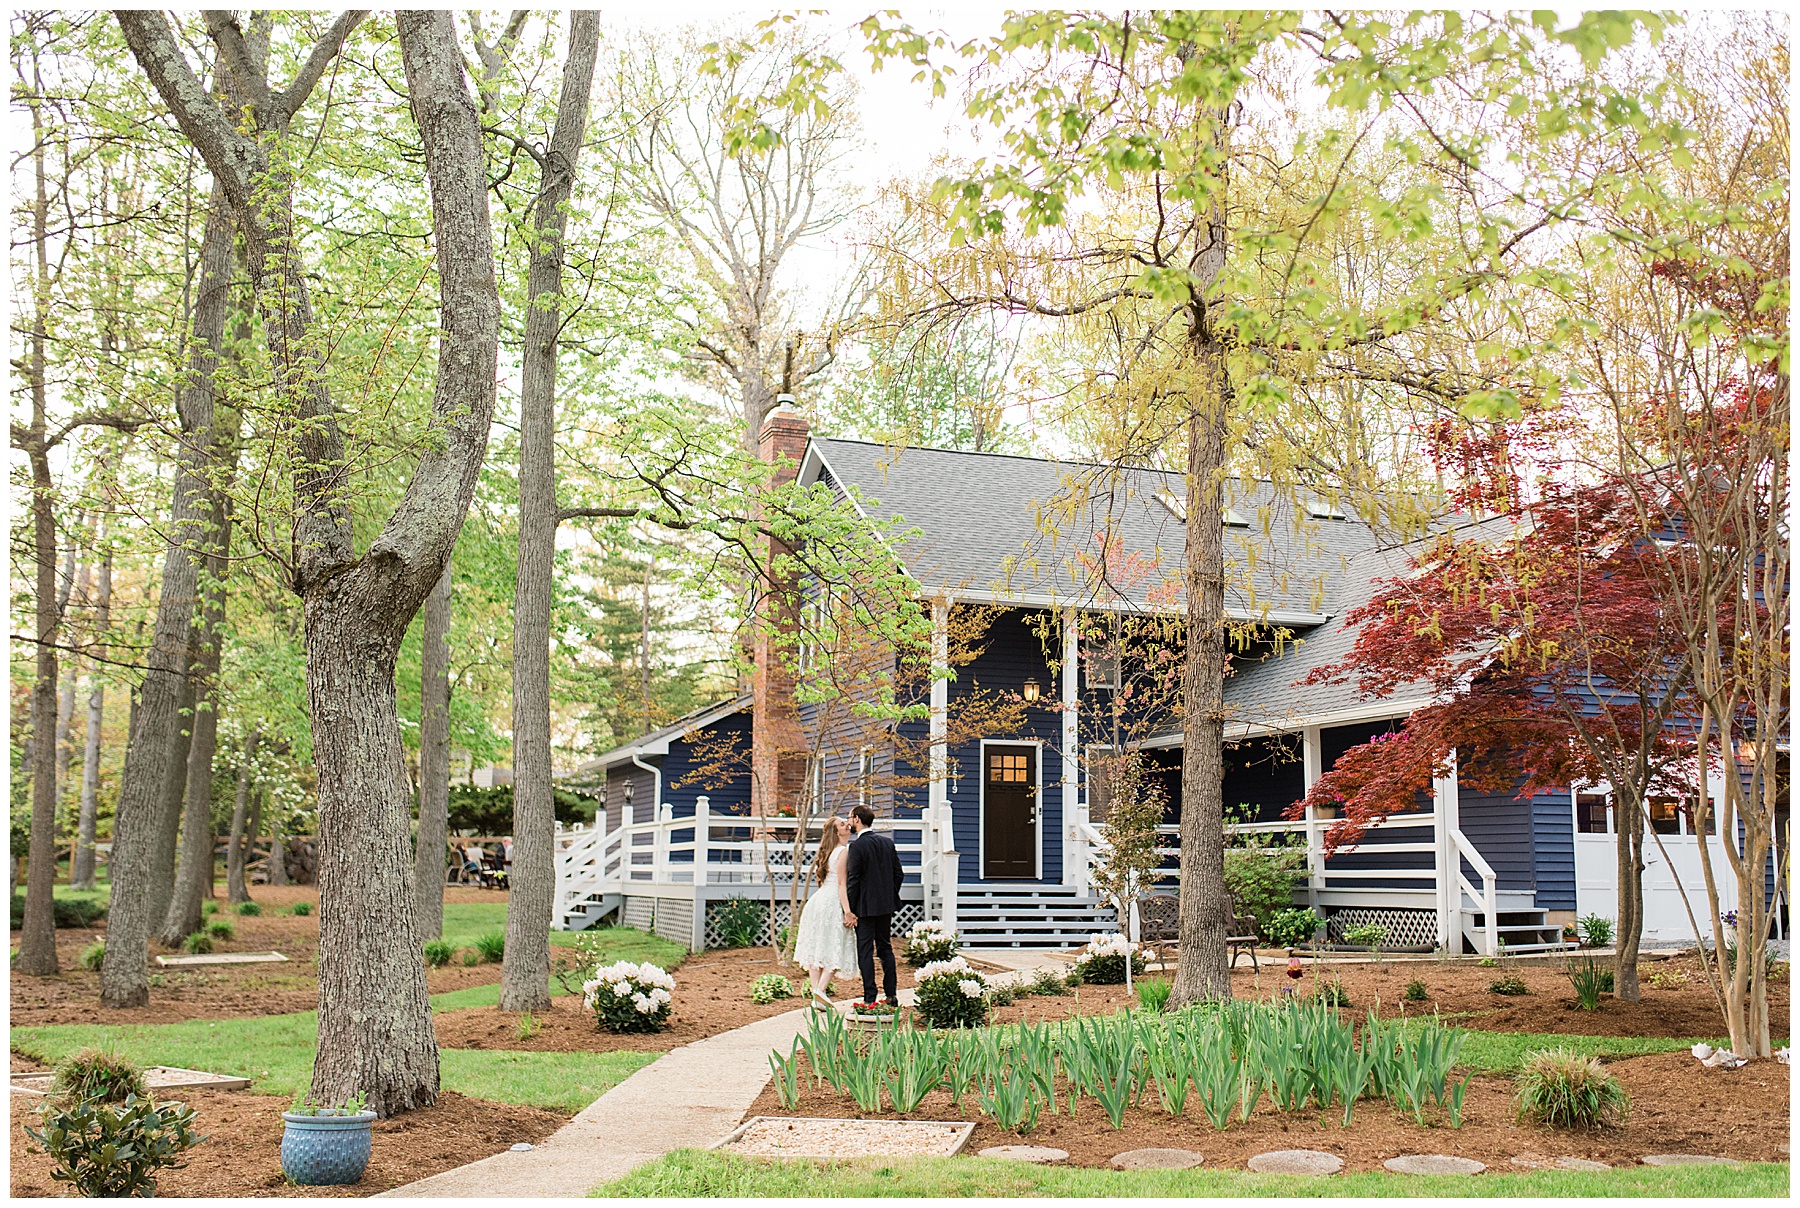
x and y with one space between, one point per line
1487 897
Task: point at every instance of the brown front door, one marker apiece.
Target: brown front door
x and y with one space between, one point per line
1009 825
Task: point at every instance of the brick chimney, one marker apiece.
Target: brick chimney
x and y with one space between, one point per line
777 743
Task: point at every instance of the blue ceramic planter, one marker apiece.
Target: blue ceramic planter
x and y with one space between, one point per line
325 1151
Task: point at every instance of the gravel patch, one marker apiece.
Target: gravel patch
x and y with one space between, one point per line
812 1137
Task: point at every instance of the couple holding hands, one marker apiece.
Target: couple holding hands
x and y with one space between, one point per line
848 919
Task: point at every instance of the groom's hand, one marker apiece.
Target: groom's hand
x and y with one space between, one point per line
849 919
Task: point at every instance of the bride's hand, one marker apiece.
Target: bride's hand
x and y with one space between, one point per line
849 919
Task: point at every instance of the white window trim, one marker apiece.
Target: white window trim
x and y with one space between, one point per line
981 805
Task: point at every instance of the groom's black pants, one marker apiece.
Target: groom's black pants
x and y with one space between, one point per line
872 939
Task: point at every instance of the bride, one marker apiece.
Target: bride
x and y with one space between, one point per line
827 942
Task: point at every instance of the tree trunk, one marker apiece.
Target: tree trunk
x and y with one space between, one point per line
155 757
1205 904
277 848
166 843
37 939
1630 826
531 884
194 882
81 871
235 889
434 761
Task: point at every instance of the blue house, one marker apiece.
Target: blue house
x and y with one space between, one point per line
1000 831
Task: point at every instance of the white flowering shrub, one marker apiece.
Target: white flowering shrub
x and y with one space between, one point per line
1102 960
951 995
630 998
929 941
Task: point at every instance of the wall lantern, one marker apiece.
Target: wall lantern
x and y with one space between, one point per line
1032 691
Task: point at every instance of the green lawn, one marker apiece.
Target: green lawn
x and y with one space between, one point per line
465 921
277 1052
691 1172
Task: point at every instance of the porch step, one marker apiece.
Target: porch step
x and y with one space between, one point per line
1520 931
1048 916
585 912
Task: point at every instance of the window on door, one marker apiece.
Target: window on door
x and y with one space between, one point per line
1665 815
1593 814
1008 769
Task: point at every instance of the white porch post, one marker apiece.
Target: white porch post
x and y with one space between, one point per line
939 795
1074 851
1311 769
1450 894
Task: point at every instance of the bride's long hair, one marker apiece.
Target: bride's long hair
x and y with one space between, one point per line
828 843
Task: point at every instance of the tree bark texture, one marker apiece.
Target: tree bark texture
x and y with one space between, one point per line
1630 828
238 843
1205 904
525 977
193 881
167 841
154 753
434 761
81 869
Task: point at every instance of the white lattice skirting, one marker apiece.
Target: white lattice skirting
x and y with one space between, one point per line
1405 928
908 914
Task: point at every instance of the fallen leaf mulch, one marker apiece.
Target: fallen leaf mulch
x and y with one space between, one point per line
220 991
1678 1106
241 1155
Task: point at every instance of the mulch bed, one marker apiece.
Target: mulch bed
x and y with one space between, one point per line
1678 1106
241 1155
1459 992
712 995
220 991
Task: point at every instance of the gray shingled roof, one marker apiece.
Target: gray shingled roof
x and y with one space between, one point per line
657 741
1027 528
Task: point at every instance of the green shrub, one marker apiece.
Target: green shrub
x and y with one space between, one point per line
114 1150
197 944
1560 1089
221 929
1488 962
627 997
67 912
951 995
1002 995
1596 932
1153 993
491 945
248 909
1292 928
1049 982
1102 960
929 940
1367 935
438 953
1511 985
471 957
1415 992
1261 879
740 922
209 907
770 987
93 956
302 908
98 1074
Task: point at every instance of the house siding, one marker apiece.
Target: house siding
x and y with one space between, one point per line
684 769
643 793
1553 850
1500 825
1265 774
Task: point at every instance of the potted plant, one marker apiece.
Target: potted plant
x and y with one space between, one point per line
326 1146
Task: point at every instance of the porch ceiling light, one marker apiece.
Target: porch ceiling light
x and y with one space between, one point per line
1032 691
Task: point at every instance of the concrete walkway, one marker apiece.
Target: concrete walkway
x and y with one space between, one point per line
687 1098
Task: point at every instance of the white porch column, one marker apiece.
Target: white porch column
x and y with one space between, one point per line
1074 850
938 807
1312 768
1447 820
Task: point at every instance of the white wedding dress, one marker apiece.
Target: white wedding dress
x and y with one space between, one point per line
824 940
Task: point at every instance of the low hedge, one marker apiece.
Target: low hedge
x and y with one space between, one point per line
70 912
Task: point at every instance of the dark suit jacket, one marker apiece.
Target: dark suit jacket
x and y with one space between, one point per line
872 875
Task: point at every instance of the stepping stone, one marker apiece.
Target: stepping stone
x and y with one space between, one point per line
156 1078
830 1137
1433 1163
1156 1159
223 958
1296 1161
1537 1162
1026 1153
1687 1159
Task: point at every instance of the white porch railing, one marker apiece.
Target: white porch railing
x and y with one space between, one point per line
1093 839
729 849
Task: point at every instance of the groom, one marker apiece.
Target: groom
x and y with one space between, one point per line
872 880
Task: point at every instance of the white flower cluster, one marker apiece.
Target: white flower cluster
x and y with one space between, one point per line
648 987
1111 945
930 929
956 966
970 987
